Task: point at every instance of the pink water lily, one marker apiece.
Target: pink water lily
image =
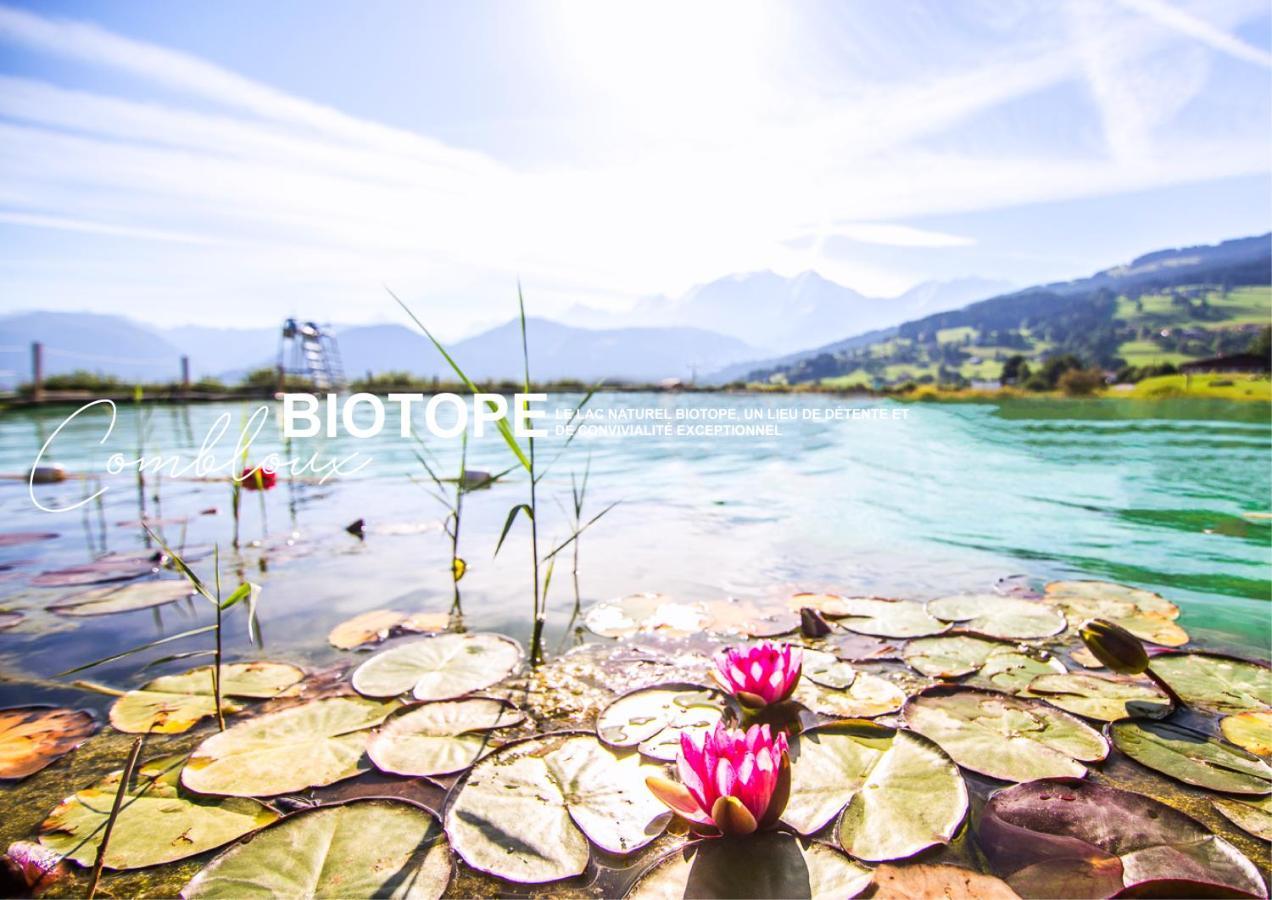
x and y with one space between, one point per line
732 782
761 674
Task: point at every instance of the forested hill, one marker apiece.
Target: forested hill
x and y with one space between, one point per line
1161 309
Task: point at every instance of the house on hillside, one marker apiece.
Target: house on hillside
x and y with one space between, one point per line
1231 362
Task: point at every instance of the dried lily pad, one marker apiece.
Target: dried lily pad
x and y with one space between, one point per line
648 614
175 703
569 787
107 600
883 618
1251 816
311 745
440 738
827 670
1102 697
774 864
374 626
937 880
652 719
439 668
996 616
1148 616
743 617
32 737
1012 738
1251 731
365 848
951 655
1192 757
1214 683
868 696
158 821
898 792
1069 838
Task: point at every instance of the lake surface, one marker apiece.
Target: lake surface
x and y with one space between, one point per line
929 500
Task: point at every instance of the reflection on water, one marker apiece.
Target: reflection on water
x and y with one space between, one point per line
948 499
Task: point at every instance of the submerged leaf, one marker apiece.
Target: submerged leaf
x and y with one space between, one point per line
1069 838
898 792
524 810
868 696
440 738
1102 697
439 668
769 864
157 823
1192 757
1012 738
32 737
317 743
175 703
1251 731
652 719
365 848
996 616
1218 684
107 600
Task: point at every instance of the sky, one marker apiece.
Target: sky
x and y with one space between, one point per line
239 162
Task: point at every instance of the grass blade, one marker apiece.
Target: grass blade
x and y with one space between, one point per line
512 516
105 659
574 537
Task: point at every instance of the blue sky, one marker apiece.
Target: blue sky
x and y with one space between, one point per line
240 161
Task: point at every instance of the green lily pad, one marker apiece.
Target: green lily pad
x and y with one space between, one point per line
317 743
107 600
1250 731
365 848
1013 671
827 669
868 696
439 668
1148 616
1217 684
773 864
32 737
440 738
996 616
1192 757
1251 816
951 655
1102 697
652 719
646 614
1067 838
526 811
157 823
898 793
1006 737
175 703
884 618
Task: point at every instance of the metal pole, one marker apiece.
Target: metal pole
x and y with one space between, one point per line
37 371
185 375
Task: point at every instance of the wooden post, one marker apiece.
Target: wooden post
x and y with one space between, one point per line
185 376
37 371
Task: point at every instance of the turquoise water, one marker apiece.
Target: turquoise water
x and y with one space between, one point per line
930 500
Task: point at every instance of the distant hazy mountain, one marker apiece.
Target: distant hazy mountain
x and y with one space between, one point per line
556 351
85 341
216 351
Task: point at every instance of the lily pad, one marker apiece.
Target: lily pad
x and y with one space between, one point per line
366 848
1251 731
305 746
129 597
996 616
1069 838
1217 684
646 614
937 880
112 567
526 811
1251 816
773 865
1148 616
32 737
951 655
1006 737
439 668
1102 697
742 617
1192 757
898 793
440 738
652 719
175 703
827 669
157 823
17 538
868 696
374 626
878 617
1013 671
10 618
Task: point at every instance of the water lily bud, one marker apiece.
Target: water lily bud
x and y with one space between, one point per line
1114 646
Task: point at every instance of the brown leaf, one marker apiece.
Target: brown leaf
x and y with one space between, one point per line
32 737
892 882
